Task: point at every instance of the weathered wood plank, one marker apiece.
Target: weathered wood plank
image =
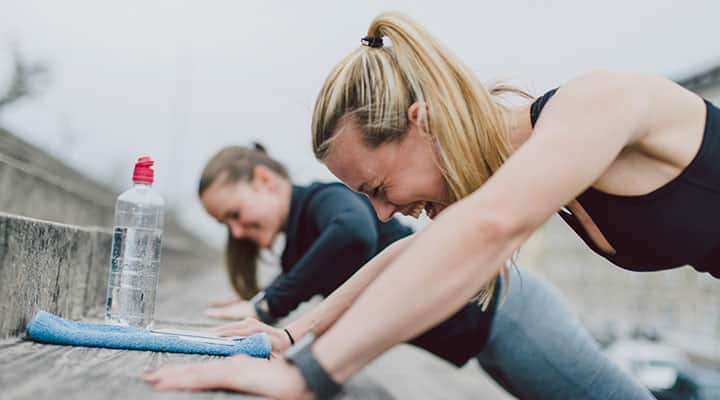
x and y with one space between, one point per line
42 266
97 277
37 371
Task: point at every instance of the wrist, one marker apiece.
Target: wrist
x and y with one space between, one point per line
316 378
290 337
262 308
295 382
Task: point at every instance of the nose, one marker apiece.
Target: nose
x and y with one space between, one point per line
236 230
383 209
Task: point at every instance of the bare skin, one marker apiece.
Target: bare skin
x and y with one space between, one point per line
223 301
257 211
318 320
275 378
254 210
234 311
620 133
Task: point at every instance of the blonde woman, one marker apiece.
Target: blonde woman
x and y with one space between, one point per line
626 159
330 233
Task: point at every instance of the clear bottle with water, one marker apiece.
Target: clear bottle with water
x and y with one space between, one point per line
135 256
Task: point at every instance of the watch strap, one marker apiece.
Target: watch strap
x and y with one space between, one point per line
317 379
263 314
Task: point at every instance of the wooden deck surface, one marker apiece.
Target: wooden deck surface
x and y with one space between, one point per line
34 371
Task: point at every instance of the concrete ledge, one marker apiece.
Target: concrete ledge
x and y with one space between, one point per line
22 154
35 194
42 266
97 274
35 184
30 192
63 269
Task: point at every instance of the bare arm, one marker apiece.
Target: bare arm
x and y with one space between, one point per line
320 318
583 129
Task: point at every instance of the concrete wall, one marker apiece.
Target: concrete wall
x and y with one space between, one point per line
28 190
55 239
34 184
48 266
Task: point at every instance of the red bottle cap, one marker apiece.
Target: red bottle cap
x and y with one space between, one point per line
143 170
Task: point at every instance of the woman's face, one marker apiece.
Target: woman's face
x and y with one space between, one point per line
401 176
251 210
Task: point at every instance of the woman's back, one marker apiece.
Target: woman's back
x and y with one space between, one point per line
667 227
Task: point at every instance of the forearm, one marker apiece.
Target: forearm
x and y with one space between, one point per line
331 260
441 270
320 318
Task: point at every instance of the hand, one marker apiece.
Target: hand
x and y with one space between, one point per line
279 340
238 310
224 301
275 378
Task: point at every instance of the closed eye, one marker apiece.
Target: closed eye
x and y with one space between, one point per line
230 215
378 191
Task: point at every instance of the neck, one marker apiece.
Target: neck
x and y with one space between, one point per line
286 198
519 125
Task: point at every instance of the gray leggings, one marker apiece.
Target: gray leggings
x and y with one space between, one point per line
538 349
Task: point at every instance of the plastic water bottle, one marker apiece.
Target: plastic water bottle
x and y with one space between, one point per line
135 257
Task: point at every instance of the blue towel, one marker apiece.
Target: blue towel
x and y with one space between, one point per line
49 328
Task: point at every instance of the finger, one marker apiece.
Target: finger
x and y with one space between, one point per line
245 327
217 313
224 326
224 301
150 376
199 376
229 327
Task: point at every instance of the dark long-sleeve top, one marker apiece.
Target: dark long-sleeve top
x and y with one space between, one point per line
332 232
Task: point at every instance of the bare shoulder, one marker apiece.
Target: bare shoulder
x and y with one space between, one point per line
628 85
662 123
644 103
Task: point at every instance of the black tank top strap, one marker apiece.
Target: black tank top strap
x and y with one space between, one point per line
537 105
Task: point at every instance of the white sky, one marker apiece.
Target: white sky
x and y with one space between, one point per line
179 81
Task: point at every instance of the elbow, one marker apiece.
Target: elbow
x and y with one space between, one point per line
491 230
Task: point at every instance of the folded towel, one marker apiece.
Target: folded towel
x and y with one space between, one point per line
49 328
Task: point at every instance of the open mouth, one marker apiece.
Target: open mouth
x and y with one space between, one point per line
431 209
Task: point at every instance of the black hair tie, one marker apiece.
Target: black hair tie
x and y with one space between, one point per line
292 341
258 147
375 42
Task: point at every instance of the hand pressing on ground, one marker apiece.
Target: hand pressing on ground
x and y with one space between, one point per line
279 340
237 310
224 301
275 378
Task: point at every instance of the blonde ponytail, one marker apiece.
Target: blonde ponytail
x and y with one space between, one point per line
375 85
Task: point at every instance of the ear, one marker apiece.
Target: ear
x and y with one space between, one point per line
419 116
263 177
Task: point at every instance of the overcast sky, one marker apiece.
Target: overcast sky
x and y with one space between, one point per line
179 81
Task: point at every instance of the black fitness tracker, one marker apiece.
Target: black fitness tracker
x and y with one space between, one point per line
261 308
316 378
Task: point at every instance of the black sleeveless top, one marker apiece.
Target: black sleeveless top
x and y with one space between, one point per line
677 224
